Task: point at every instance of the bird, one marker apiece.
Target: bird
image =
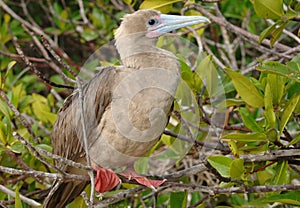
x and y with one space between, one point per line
126 107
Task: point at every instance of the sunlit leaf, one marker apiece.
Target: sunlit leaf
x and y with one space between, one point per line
252 137
249 121
291 197
233 147
237 168
269 9
295 140
234 102
276 33
281 176
221 164
246 89
18 202
269 110
161 5
288 110
280 69
4 108
266 32
208 74
276 84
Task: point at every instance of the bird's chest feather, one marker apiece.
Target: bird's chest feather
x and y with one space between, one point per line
136 117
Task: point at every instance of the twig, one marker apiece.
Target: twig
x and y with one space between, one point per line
232 190
237 30
85 141
25 199
272 155
224 149
23 121
34 152
36 30
38 174
57 57
290 34
120 196
185 126
199 202
32 121
37 72
63 160
196 169
23 165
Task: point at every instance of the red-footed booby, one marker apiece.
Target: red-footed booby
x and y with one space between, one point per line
126 107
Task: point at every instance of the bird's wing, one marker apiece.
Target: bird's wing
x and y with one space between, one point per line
67 131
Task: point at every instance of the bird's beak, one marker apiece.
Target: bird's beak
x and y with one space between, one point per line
168 23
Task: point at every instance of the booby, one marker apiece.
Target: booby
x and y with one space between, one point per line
126 107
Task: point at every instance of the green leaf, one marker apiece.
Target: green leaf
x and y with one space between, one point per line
233 147
178 199
266 32
4 108
221 163
141 166
209 75
44 147
42 110
276 33
269 9
2 137
161 5
282 176
279 69
249 121
292 197
269 110
264 176
246 89
288 110
237 168
234 102
290 14
252 137
17 93
11 65
18 202
295 140
276 84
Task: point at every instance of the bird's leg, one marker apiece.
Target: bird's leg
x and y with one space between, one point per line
131 174
105 180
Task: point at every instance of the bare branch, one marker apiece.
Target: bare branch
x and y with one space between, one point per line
18 115
28 201
85 140
38 174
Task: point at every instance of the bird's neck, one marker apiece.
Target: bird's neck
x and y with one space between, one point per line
137 51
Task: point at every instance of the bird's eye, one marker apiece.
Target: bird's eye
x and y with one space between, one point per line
152 21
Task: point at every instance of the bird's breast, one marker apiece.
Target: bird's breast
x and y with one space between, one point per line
136 117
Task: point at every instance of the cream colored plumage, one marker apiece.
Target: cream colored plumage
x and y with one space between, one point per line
126 107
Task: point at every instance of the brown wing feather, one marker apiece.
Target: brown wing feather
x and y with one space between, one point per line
67 133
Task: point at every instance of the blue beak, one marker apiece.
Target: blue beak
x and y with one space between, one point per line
169 23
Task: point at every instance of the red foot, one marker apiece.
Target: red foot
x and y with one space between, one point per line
131 174
105 180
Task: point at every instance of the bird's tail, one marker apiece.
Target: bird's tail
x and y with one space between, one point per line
63 193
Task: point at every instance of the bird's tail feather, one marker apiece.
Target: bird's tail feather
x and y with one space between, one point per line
63 193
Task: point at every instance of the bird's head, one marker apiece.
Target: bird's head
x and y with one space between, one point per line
152 23
139 31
